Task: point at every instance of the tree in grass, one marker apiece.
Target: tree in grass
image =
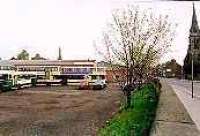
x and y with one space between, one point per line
38 57
135 41
23 55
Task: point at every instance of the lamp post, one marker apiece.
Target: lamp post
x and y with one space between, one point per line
192 74
192 54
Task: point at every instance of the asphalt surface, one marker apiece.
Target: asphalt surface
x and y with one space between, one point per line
183 89
187 85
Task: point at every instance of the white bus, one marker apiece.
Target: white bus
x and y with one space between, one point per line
87 77
10 79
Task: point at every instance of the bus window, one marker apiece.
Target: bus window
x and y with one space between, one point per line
3 77
40 77
75 77
26 77
93 77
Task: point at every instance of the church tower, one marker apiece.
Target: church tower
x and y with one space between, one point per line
194 27
194 47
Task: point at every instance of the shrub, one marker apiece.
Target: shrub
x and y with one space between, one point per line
138 118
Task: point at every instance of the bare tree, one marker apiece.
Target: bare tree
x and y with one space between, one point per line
135 40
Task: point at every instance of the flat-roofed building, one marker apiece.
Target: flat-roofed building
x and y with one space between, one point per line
6 65
56 69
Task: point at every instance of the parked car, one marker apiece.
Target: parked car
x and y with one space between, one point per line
99 84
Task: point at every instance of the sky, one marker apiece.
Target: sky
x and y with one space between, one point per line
42 26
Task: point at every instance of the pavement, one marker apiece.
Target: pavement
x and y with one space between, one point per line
183 90
172 119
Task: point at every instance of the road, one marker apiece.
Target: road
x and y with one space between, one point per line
183 90
187 85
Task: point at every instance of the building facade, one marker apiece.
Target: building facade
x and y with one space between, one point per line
59 69
193 51
113 73
170 69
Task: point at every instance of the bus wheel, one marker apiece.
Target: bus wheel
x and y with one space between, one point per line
19 86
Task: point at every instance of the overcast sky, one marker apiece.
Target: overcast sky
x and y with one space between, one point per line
43 25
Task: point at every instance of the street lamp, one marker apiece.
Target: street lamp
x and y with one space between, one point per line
192 54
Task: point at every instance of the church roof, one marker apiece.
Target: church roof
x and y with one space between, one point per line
194 27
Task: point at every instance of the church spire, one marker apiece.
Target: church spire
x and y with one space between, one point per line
59 54
194 27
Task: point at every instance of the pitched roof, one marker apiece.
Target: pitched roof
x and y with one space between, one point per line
194 26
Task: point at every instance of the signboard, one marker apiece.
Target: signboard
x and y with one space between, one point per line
76 70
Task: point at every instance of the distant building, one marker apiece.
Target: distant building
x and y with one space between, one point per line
6 65
170 69
59 68
103 64
13 58
113 73
194 46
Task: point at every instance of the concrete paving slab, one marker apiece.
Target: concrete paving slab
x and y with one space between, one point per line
172 119
192 105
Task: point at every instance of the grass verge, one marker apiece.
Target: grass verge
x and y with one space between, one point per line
137 120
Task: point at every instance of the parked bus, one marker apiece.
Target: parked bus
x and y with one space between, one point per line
85 77
66 72
48 78
10 79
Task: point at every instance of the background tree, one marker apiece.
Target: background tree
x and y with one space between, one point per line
135 40
37 57
23 55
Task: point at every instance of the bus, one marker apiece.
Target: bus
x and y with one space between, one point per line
48 78
11 80
82 76
85 77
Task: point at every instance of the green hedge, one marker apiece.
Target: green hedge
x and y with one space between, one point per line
136 120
